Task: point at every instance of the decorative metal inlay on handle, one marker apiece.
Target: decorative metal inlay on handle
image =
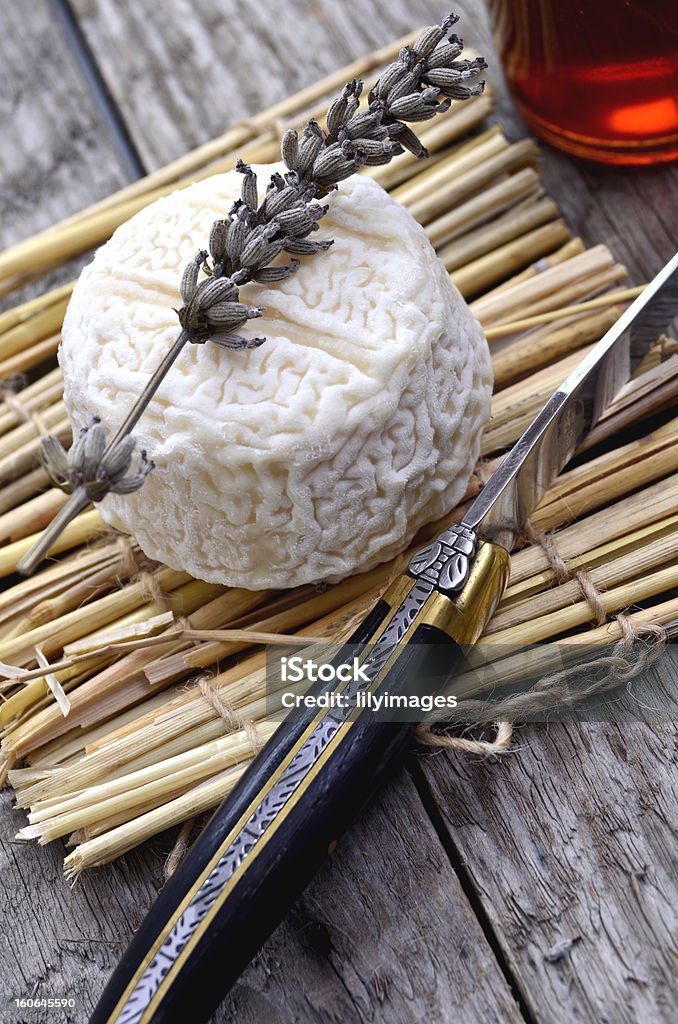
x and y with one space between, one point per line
266 812
447 561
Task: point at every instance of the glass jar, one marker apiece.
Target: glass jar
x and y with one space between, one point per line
598 78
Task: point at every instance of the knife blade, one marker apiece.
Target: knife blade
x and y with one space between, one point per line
318 770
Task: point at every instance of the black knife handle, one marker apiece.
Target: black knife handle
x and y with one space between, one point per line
302 791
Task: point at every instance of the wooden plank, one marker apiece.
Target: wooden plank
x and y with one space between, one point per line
569 848
58 941
54 156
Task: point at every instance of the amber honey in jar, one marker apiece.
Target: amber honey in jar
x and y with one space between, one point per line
598 78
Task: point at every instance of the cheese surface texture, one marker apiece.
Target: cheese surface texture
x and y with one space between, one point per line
322 452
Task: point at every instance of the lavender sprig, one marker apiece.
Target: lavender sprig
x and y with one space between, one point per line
244 246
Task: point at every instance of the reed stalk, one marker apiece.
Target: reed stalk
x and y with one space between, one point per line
609 299
41 325
550 344
31 517
82 530
29 357
615 576
453 189
509 300
518 221
508 258
609 477
43 392
25 487
482 207
493 666
11 318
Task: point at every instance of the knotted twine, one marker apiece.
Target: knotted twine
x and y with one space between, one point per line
554 690
140 570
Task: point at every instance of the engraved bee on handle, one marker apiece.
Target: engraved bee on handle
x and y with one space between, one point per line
446 561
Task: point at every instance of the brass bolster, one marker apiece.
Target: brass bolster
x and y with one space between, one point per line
462 616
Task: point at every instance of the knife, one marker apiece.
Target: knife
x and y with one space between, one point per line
318 770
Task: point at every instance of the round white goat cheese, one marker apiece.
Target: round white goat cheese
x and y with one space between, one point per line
322 452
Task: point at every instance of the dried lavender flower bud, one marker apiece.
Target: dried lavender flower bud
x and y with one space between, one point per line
214 290
374 154
416 106
289 149
120 455
300 218
270 275
464 92
248 191
331 166
238 233
131 483
406 84
404 135
277 201
391 76
409 57
338 112
430 37
235 342
89 466
304 247
452 76
229 315
344 107
260 249
444 55
54 460
366 125
309 147
189 279
218 240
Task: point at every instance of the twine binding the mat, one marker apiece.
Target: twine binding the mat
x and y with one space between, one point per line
180 848
235 723
130 567
564 574
554 690
233 718
152 587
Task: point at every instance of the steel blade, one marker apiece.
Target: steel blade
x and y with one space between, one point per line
512 493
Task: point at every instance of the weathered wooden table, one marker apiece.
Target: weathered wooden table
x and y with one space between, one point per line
537 888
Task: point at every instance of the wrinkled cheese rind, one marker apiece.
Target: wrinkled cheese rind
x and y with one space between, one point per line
316 455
